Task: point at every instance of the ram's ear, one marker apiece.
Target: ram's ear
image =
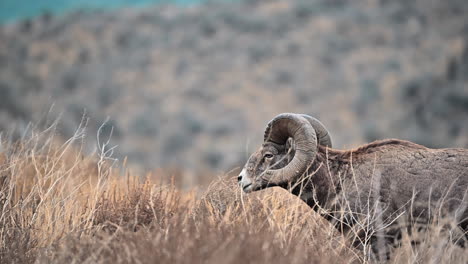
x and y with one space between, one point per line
290 145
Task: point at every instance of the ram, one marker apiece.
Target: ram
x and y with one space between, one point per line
391 180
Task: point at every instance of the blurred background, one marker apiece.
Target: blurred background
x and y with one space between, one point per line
192 84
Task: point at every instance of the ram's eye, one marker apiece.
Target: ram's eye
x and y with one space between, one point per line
268 156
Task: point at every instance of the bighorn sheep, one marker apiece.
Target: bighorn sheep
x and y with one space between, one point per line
390 179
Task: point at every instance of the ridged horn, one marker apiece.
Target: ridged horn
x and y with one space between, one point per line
323 136
278 130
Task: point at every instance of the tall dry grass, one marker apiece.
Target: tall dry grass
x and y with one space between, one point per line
60 206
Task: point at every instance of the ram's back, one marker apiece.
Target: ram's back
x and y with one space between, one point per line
403 175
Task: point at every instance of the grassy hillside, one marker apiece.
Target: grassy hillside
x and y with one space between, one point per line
59 206
186 93
194 87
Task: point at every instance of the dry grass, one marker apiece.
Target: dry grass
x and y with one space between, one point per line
58 206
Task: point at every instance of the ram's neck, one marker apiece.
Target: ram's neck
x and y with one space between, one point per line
322 183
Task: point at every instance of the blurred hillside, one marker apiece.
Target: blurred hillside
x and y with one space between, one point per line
194 87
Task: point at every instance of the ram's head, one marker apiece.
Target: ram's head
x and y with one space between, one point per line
289 148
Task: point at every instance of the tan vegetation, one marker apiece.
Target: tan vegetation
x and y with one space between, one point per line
60 206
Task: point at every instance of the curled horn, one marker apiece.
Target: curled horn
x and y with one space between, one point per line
301 130
323 136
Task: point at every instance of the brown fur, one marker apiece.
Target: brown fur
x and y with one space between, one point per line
403 177
389 178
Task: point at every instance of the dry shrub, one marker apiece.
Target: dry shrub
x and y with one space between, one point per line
58 206
45 193
439 242
131 204
221 227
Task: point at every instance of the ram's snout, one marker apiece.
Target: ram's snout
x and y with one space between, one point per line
244 181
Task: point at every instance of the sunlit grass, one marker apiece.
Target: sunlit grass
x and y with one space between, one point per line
61 206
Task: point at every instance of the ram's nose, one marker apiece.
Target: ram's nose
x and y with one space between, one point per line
241 175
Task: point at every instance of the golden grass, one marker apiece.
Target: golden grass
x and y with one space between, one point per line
58 206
